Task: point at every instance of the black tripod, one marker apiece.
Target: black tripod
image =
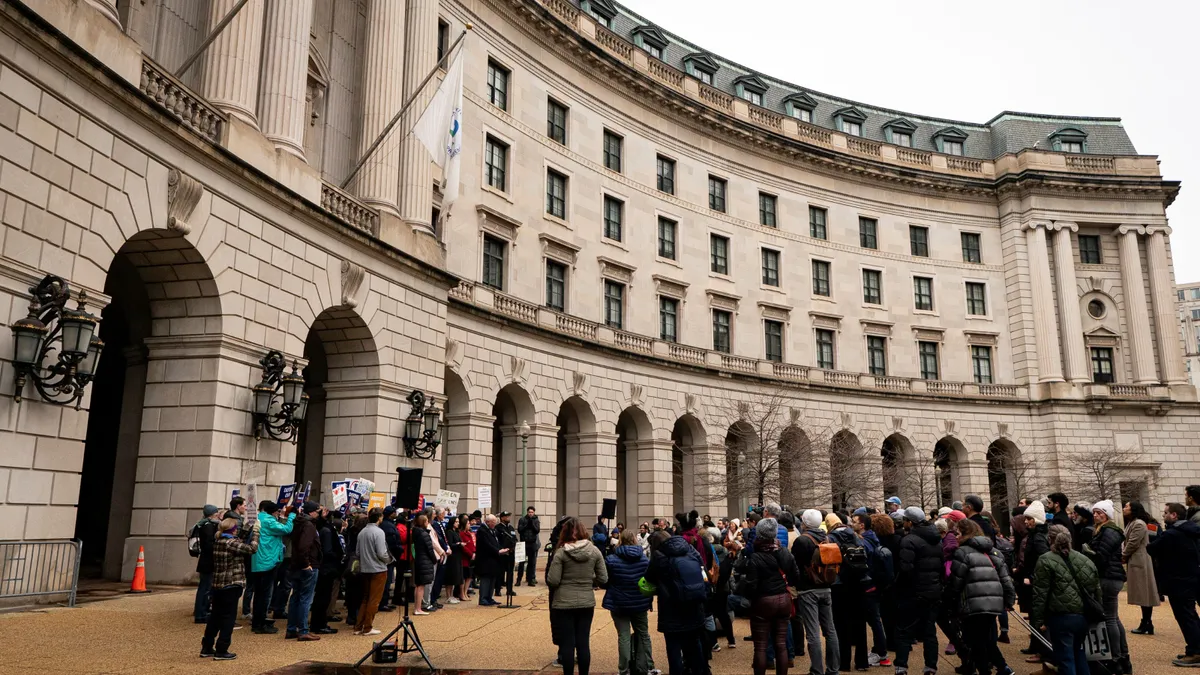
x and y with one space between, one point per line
406 624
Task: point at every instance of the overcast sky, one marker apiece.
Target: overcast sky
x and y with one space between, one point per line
972 60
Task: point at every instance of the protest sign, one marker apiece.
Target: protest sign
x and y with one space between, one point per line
485 496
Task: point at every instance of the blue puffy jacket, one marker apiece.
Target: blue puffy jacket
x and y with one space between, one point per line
625 567
270 541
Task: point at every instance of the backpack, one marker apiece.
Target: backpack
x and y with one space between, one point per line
855 560
687 582
194 540
826 562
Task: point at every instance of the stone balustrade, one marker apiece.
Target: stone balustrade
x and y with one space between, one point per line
666 73
685 353
766 118
731 362
614 43
716 98
1090 164
812 134
634 342
182 103
348 209
914 156
565 10
577 327
964 164
1129 390
516 308
864 146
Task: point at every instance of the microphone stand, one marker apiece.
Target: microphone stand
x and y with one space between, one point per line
411 641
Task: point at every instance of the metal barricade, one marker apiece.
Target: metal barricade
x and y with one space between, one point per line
30 569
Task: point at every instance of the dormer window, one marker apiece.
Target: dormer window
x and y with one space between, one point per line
750 88
950 140
700 66
849 120
651 40
602 11
800 106
1069 139
899 132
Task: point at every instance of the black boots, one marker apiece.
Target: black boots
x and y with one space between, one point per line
1144 628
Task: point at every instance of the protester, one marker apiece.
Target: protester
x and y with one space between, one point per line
1176 552
628 606
919 588
205 533
891 505
1142 589
766 572
373 559
395 574
948 613
973 510
441 547
983 590
643 538
849 592
577 568
1108 540
676 571
424 564
487 559
1036 544
718 602
332 553
353 581
303 572
529 530
454 564
507 535
1060 580
467 532
815 603
1083 525
229 576
267 560
1060 512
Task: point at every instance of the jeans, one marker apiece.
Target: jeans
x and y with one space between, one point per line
323 600
1110 591
686 648
283 586
632 650
769 619
575 626
979 635
264 585
1183 606
221 619
875 621
849 615
304 584
203 597
1067 634
917 620
487 586
387 585
816 610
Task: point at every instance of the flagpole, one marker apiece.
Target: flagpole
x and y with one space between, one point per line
403 109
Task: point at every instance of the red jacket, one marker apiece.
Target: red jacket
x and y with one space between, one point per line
468 540
403 530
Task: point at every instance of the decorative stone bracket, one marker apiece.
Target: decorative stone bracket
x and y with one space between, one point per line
183 194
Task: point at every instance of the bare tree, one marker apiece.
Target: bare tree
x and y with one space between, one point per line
1097 473
856 474
916 477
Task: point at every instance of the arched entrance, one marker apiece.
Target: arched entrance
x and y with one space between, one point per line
513 406
456 438
893 451
633 431
948 455
851 478
1004 467
575 451
689 456
745 479
795 453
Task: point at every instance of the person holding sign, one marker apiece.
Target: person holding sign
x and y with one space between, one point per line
273 526
1065 584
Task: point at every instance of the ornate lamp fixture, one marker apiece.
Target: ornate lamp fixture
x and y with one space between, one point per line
421 427
280 403
64 337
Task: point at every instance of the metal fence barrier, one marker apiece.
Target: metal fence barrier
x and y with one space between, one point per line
39 568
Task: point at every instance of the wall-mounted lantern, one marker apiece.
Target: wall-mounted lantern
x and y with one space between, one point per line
421 427
56 346
280 403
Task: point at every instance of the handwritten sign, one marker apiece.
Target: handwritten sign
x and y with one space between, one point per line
338 489
485 496
447 499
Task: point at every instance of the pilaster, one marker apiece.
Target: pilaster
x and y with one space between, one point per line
378 183
1070 324
1162 294
467 453
1045 332
232 62
655 478
1137 315
420 56
285 73
597 470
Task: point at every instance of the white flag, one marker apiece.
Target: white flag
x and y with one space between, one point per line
440 129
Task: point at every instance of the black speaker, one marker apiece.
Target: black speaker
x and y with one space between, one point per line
408 488
610 509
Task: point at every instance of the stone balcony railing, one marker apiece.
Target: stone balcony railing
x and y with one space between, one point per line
189 108
348 209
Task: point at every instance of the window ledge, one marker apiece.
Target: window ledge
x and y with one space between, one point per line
614 243
722 277
558 221
824 298
667 261
499 193
878 307
772 289
925 312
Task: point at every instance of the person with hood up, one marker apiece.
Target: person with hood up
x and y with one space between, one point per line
689 530
266 560
982 590
303 570
577 568
815 603
948 615
919 586
1177 553
1108 539
1060 579
628 606
849 594
765 572
1140 529
677 573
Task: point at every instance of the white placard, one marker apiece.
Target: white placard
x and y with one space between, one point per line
485 496
447 499
519 553
339 494
250 494
1095 643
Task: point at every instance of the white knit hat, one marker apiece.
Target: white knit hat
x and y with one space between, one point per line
1106 506
811 519
1036 511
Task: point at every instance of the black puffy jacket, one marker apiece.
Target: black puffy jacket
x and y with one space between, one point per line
979 579
919 570
1107 542
768 571
425 563
1037 544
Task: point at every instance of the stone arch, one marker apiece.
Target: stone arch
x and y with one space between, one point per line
896 455
795 456
745 477
851 477
456 463
513 406
1007 475
949 455
690 462
635 455
580 483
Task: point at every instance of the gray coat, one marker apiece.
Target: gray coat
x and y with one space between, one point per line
1142 588
373 556
575 570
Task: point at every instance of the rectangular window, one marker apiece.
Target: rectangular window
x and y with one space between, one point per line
556 121
976 299
1196 293
766 209
666 175
1102 365
668 319
614 304
497 82
1179 294
802 114
981 364
556 194
496 164
773 339
721 320
493 262
752 96
770 267
1072 146
1089 249
556 285
972 252
820 274
929 360
704 76
816 222
666 238
877 355
851 128
923 293
601 19
903 140
868 233
652 50
918 240
613 217
873 287
952 147
716 194
443 39
1196 314
719 254
825 349
612 151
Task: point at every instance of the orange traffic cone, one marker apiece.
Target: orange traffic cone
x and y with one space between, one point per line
139 573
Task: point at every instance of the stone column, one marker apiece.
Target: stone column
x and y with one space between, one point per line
416 188
655 483
285 73
468 456
597 473
231 62
542 470
1162 293
1137 316
108 8
129 436
378 182
1070 326
1045 332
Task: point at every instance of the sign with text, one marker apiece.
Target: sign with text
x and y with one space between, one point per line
485 496
377 500
285 494
338 489
447 499
250 494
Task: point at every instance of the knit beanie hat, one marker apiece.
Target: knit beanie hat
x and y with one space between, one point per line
944 511
914 514
1106 506
210 510
956 515
811 519
767 528
1037 511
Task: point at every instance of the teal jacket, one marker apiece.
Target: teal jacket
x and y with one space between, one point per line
270 542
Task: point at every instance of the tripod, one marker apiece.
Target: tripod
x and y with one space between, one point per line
405 624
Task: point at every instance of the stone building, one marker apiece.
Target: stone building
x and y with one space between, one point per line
1189 328
651 241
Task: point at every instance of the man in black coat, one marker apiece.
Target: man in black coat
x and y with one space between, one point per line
973 510
1176 554
330 571
918 589
206 529
529 529
508 540
487 559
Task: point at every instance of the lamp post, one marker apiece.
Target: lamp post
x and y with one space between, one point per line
421 426
280 403
524 467
54 345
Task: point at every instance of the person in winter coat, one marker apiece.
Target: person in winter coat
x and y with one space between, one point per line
919 571
765 574
983 590
1035 545
303 571
488 554
454 567
1059 580
815 604
395 572
676 572
689 530
948 614
206 530
424 563
1142 589
266 561
628 606
229 576
1177 554
718 602
1085 525
849 595
1108 540
577 568
468 561
529 532
332 554
373 559
884 527
881 580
